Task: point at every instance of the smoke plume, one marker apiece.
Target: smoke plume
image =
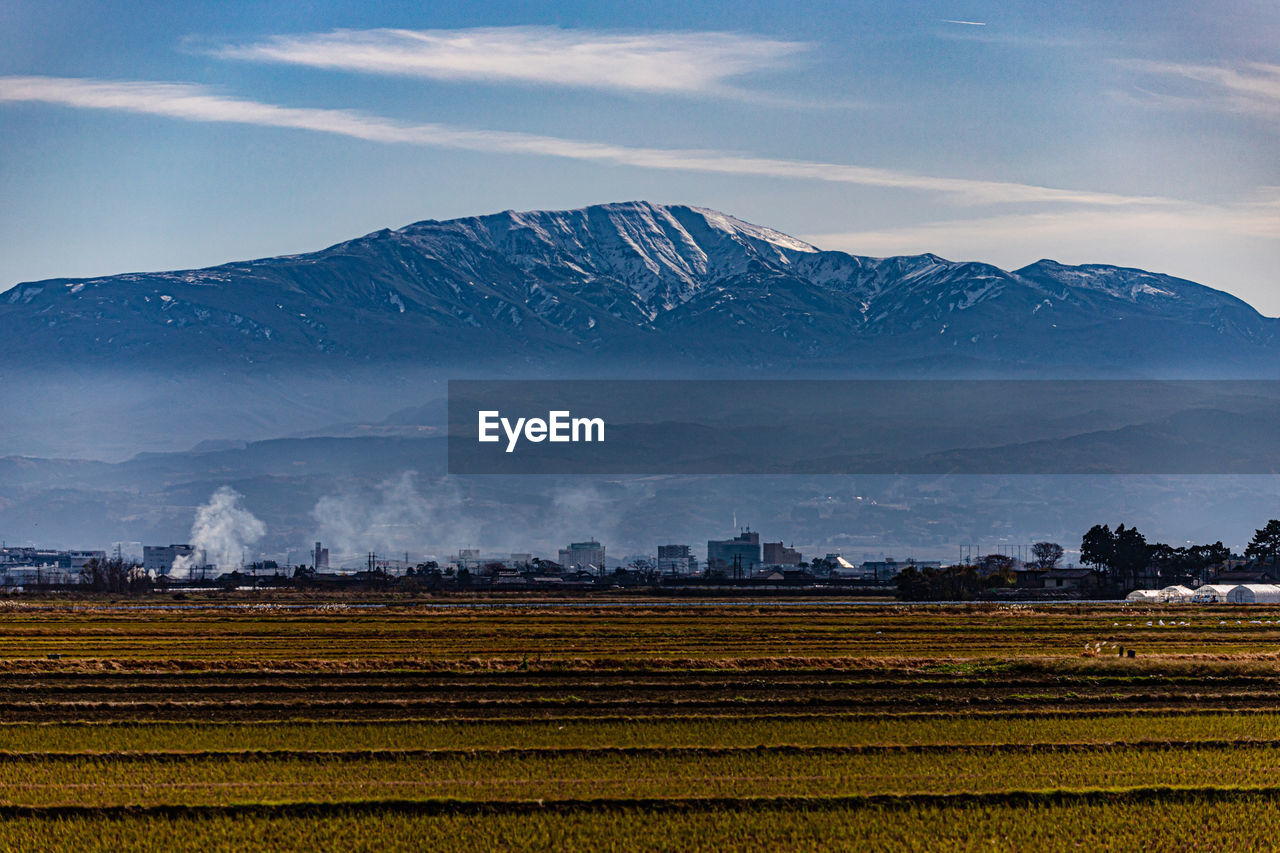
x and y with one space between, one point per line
396 516
437 515
220 533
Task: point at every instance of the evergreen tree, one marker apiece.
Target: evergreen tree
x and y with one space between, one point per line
1265 547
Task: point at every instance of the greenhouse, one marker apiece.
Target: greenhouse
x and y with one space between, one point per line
1176 594
1254 593
1151 595
1212 593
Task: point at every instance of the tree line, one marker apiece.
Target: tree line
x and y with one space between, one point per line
969 581
1123 555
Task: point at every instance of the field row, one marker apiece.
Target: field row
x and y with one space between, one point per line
624 636
483 776
668 731
70 679
1152 823
657 708
761 727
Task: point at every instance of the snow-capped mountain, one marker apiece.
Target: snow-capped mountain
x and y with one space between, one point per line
640 283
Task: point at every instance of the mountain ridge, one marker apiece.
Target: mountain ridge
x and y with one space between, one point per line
109 366
619 278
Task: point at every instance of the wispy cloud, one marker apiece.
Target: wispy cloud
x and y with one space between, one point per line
1253 219
1252 87
979 32
197 103
683 63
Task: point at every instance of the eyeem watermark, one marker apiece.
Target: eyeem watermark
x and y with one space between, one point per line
864 426
558 426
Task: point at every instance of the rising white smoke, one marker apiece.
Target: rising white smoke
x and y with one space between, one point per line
439 515
396 516
220 533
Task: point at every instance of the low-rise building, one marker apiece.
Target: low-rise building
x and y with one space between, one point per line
19 576
1071 580
777 554
1257 574
887 570
64 559
158 560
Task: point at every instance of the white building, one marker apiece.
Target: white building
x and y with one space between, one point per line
158 559
582 555
14 576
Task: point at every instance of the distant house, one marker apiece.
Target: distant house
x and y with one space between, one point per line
1073 580
1029 577
785 575
1238 576
508 577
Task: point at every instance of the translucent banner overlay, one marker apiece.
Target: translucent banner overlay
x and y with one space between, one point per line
864 427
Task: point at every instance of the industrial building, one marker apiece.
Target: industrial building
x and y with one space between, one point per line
27 566
72 560
676 560
581 556
158 560
776 554
741 553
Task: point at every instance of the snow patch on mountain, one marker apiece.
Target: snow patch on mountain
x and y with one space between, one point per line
631 277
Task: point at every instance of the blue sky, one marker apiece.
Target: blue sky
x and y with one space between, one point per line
153 135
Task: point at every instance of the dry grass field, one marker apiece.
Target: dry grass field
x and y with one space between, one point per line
404 724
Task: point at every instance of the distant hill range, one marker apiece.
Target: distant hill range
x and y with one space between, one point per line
108 367
634 284
301 378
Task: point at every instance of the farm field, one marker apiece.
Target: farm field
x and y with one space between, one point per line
402 724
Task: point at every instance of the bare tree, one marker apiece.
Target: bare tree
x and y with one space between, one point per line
1046 554
113 575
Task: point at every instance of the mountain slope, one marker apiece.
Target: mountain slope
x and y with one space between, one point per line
107 367
627 281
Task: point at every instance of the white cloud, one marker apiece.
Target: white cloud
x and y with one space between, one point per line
1252 219
196 103
1252 87
673 63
